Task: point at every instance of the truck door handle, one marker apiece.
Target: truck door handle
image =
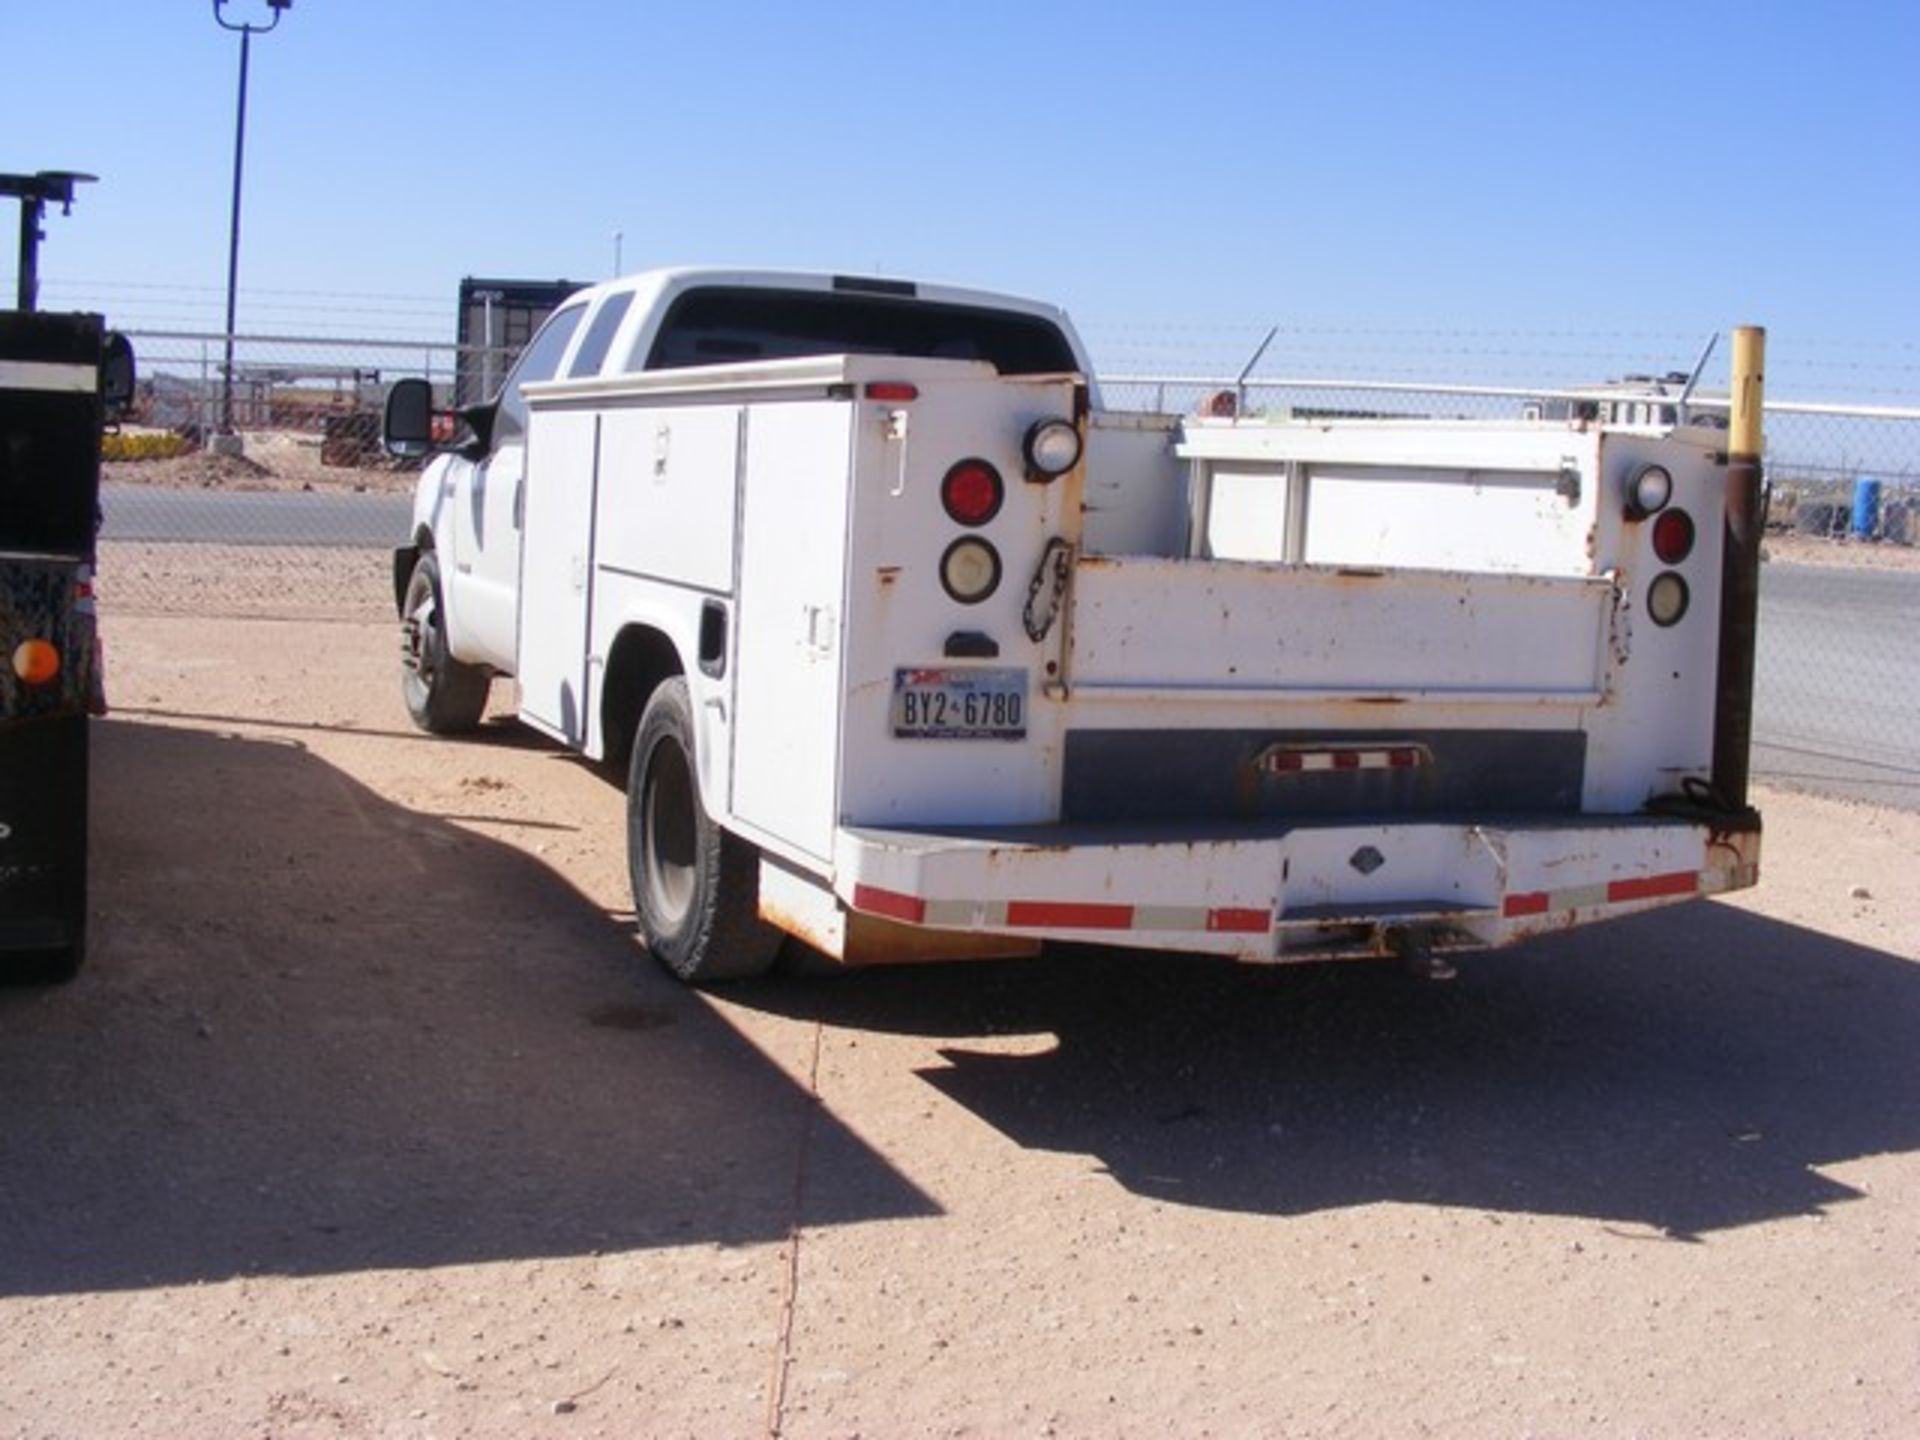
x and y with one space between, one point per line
820 625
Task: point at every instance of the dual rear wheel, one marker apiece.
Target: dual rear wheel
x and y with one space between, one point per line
695 886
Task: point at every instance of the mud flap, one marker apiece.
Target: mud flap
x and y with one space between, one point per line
43 837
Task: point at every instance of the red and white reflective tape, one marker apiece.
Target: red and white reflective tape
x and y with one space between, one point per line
1291 760
1059 914
1676 884
1249 920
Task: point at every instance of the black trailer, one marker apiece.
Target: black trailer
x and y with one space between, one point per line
496 319
51 411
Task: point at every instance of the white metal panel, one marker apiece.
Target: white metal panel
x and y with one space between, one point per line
1657 730
1135 494
789 621
555 579
1515 522
1419 444
900 616
1247 513
1271 629
667 493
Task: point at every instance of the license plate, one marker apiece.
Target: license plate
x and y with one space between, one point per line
960 704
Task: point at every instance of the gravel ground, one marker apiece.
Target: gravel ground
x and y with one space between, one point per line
367 1119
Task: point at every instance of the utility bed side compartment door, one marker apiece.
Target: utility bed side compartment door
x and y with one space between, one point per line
796 484
555 570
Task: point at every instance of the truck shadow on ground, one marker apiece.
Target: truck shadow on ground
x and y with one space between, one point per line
503 732
1687 1071
319 1033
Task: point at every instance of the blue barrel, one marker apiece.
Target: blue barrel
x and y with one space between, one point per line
1866 507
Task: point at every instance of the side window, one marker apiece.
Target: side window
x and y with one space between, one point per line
539 361
593 349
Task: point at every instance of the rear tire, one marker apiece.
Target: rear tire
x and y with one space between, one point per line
59 962
444 696
42 967
695 887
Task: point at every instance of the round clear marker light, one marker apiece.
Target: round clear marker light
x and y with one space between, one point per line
1667 599
970 570
1649 490
1052 448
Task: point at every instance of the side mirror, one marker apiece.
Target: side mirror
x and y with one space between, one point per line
116 375
407 427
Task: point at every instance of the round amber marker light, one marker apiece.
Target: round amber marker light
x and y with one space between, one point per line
35 661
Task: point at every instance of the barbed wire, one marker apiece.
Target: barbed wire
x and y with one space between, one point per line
1854 368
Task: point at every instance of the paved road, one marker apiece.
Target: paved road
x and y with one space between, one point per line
1838 673
1838 681
252 517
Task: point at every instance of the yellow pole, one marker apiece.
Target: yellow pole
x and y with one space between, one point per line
1746 439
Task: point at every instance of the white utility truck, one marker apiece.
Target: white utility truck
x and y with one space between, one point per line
909 649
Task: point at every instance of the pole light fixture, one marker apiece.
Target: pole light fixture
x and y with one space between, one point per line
246 30
35 193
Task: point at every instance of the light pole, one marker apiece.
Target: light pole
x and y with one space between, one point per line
226 442
35 193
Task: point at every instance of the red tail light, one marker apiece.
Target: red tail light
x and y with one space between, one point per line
1673 536
894 390
972 492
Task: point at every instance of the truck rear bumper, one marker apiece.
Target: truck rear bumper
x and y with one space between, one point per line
1275 893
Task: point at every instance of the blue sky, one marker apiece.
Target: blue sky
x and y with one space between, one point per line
1416 187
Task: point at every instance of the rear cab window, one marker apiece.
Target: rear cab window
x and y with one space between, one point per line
729 326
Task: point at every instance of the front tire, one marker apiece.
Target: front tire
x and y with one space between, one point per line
695 887
444 696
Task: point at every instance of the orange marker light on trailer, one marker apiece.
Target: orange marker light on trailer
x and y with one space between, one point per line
36 662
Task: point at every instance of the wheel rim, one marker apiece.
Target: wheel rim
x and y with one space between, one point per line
670 851
417 633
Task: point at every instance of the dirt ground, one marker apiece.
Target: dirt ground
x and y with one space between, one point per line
367 1119
269 460
1783 548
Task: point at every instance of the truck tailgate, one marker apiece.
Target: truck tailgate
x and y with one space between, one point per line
1333 633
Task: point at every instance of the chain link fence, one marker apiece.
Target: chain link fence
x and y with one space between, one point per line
298 523
297 519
